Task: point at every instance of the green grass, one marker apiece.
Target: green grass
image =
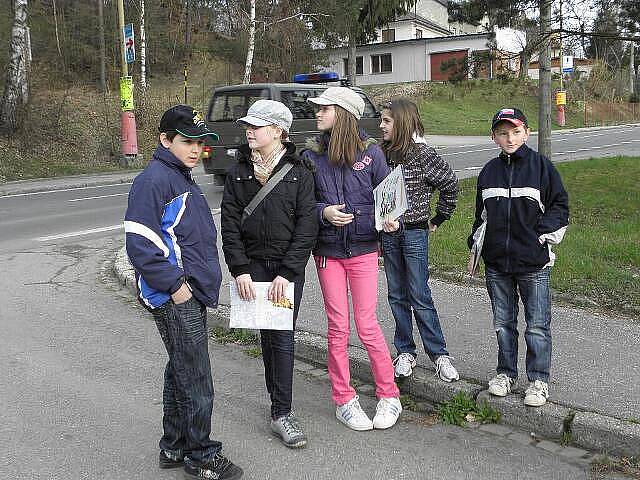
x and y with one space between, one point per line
239 336
467 108
456 410
599 258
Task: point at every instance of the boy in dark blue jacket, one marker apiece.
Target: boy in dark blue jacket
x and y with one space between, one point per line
522 209
171 242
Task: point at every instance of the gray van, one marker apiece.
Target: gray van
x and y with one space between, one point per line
232 102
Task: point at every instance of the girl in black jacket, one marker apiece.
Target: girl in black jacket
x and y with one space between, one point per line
273 244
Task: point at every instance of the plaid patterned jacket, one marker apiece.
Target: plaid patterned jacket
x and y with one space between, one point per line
425 171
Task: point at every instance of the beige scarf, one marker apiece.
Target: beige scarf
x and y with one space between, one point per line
263 166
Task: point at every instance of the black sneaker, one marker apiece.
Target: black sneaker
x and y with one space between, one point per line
170 460
218 468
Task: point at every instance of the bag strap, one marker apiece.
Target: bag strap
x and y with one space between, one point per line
264 191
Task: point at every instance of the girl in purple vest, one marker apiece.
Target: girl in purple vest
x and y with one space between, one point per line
349 165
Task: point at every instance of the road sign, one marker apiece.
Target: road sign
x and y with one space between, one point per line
129 44
567 64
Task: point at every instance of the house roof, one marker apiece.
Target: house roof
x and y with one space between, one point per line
420 19
417 40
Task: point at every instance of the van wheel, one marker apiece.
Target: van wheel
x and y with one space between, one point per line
218 179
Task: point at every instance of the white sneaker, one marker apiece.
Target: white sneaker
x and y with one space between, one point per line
387 413
536 394
500 385
445 370
403 365
352 415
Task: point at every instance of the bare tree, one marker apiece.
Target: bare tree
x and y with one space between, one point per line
252 44
16 89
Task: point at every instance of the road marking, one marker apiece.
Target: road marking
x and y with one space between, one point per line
90 187
597 147
94 198
468 151
472 168
80 233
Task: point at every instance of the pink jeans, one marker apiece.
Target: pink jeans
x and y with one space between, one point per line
362 274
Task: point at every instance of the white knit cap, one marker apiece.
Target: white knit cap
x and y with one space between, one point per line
343 97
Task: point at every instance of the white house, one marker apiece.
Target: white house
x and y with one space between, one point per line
416 45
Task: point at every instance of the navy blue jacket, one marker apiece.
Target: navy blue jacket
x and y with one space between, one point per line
526 209
352 186
170 234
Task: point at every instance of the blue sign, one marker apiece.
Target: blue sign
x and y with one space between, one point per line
129 44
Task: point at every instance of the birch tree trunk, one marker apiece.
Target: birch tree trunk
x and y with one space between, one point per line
252 44
16 89
143 53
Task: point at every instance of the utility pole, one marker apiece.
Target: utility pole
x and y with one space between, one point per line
544 98
632 70
561 95
128 139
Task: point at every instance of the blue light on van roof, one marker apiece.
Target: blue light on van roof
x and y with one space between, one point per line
319 77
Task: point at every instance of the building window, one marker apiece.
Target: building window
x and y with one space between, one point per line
359 66
418 33
389 35
381 63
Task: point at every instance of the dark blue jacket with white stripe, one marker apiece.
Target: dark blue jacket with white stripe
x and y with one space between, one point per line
170 234
522 208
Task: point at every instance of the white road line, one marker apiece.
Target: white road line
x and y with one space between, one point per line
597 147
80 233
469 151
99 196
472 168
64 190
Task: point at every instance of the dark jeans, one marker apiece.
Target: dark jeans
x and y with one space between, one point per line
278 345
406 265
188 388
503 291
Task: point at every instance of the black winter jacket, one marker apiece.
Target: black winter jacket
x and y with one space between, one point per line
283 227
526 209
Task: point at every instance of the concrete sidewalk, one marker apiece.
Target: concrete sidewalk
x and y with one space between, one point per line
594 390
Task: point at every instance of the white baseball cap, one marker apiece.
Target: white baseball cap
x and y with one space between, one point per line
268 112
343 97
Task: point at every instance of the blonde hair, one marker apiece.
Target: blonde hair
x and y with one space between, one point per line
345 141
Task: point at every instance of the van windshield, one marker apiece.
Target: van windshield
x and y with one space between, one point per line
232 105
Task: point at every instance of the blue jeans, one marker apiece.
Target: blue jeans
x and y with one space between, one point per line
188 388
406 265
503 291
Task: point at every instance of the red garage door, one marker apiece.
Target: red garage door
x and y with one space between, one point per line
437 59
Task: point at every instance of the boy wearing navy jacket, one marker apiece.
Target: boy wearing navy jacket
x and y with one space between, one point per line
522 209
171 242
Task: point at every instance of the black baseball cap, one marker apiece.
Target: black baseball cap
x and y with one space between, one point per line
186 121
512 115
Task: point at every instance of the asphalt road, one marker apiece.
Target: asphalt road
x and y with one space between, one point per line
467 155
81 394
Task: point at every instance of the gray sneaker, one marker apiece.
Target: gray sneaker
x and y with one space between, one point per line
289 431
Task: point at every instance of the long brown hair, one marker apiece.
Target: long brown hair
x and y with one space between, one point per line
406 123
345 140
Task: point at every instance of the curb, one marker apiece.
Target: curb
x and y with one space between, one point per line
584 429
23 187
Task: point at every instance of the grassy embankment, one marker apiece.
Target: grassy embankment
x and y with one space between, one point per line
599 259
467 108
